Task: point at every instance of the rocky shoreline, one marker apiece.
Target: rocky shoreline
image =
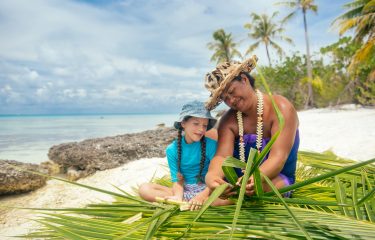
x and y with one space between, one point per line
80 159
14 181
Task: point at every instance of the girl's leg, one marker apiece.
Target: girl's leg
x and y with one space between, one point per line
148 191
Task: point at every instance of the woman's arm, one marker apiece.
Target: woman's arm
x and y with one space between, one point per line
212 133
284 143
215 174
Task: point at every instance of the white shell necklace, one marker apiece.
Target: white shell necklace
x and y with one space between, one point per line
259 132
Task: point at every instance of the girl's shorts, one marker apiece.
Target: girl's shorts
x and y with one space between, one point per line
191 190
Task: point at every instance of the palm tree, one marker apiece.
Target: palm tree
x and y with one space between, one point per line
304 5
264 30
360 17
224 47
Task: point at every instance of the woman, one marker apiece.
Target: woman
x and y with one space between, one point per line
250 122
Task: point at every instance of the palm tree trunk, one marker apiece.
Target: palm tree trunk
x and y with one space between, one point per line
227 54
346 88
268 55
310 97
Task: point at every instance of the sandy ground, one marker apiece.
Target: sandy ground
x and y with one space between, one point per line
349 132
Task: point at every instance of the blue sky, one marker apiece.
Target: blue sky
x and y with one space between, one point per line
127 55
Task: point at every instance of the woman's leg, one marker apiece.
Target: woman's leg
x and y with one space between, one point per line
221 202
148 191
280 181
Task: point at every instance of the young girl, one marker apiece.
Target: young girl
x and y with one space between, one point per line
188 159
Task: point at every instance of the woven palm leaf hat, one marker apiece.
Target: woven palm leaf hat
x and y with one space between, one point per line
217 80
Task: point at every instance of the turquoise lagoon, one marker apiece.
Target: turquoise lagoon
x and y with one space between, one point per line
27 138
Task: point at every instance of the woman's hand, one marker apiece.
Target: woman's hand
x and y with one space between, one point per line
250 190
214 181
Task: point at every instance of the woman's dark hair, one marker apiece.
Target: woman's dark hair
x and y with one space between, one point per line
251 79
179 153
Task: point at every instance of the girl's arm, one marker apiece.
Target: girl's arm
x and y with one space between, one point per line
178 190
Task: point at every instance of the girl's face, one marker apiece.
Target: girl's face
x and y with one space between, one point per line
194 128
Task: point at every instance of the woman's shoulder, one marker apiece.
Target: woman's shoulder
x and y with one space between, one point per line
285 106
282 102
228 118
210 141
228 122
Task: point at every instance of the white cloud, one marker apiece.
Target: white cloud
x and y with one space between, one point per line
41 91
33 74
6 89
55 52
74 93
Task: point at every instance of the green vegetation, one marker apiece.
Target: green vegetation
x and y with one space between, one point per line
224 47
264 30
342 72
333 198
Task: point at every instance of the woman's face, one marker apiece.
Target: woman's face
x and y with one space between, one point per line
236 95
194 128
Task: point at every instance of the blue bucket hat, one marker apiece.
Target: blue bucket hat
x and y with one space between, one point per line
195 109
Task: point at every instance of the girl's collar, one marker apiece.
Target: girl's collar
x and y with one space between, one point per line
185 143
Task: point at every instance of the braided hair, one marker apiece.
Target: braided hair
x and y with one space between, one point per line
179 149
179 154
203 159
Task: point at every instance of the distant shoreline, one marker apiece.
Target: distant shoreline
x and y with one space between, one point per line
81 114
29 138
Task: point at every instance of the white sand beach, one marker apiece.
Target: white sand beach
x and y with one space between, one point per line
349 132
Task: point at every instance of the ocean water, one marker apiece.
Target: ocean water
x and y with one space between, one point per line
28 138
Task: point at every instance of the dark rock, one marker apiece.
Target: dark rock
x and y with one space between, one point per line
13 180
90 155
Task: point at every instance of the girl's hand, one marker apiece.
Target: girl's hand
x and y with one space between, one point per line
197 202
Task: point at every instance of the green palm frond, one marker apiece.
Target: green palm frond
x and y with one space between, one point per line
314 205
360 16
264 29
225 49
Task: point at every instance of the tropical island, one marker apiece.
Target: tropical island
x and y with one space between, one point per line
334 193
